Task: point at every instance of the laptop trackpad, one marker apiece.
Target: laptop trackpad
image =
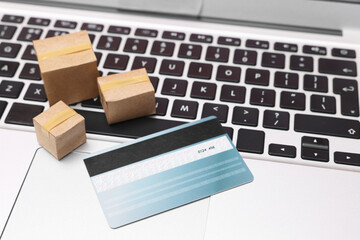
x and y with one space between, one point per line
288 202
57 201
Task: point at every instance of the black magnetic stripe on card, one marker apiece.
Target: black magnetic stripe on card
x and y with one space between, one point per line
152 147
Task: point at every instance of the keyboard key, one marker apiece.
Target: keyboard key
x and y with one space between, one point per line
92 37
172 67
10 89
53 33
282 150
116 61
29 53
92 103
315 154
161 105
347 158
98 56
301 63
12 18
162 48
9 50
315 83
191 51
316 149
273 60
286 80
337 67
262 97
292 100
327 126
315 143
245 116
30 34
146 32
119 30
135 45
30 71
174 87
228 74
201 38
23 114
287 47
217 54
229 41
276 120
218 110
229 131
346 53
348 90
203 90
7 68
95 122
7 32
200 70
173 35
184 109
144 62
154 81
36 92
234 94
257 77
245 57
65 24
92 27
257 44
323 104
316 50
250 141
39 21
3 105
109 43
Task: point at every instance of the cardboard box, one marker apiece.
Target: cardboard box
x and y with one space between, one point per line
60 129
68 67
127 95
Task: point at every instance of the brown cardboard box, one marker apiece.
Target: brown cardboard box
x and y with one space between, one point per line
68 67
127 95
66 129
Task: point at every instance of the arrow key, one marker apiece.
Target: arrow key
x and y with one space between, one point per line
347 158
314 154
282 150
218 110
315 143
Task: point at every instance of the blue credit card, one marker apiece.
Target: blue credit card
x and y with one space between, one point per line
165 170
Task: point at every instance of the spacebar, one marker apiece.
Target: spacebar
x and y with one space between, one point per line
327 126
96 123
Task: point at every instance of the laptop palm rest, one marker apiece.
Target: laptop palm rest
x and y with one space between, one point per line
288 202
57 201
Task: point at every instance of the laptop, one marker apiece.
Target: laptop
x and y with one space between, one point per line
281 77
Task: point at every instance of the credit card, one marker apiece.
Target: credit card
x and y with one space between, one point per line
165 170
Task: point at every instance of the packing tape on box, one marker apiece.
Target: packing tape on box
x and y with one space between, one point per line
123 82
65 51
58 119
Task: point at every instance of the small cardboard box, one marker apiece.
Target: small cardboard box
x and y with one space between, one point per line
127 95
60 129
68 67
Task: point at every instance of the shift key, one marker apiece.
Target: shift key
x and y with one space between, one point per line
327 126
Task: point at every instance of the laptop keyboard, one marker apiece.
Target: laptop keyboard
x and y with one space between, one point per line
293 101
